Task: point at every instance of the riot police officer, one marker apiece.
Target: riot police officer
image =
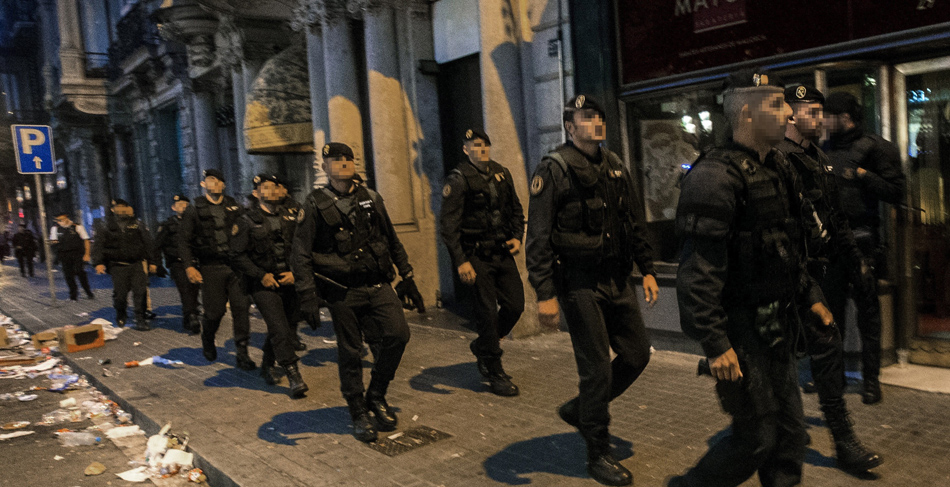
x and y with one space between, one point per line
73 250
122 244
740 278
868 171
293 206
584 237
828 238
204 245
167 241
262 254
482 225
343 254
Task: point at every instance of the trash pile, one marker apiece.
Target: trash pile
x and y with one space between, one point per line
162 456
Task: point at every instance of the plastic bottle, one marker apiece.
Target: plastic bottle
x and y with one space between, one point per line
70 438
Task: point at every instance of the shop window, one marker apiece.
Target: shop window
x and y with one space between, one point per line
667 133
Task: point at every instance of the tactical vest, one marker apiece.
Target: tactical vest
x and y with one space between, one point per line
216 224
487 207
270 238
170 244
69 241
764 245
860 207
123 245
354 251
592 221
819 193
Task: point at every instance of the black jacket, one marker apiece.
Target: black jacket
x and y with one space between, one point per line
118 242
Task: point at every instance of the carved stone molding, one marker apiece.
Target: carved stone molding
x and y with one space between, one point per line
231 50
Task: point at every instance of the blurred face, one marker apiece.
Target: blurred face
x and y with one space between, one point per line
213 185
769 116
268 192
63 221
179 206
477 150
123 211
588 126
339 168
837 123
809 119
281 191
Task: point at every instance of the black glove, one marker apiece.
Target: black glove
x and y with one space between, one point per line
310 304
409 295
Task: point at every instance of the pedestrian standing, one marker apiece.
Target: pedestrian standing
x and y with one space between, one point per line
24 249
482 226
167 241
740 279
584 238
122 245
868 171
828 239
204 245
73 250
262 255
344 250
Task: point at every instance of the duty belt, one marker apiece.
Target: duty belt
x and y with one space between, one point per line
487 248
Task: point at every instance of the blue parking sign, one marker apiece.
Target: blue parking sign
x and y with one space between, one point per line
34 149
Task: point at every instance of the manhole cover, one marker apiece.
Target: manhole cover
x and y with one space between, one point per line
403 441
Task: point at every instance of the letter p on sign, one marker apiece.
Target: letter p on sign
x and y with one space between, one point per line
31 138
34 149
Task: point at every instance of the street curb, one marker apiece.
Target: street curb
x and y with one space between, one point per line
216 477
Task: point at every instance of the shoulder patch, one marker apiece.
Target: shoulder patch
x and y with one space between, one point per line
446 190
537 184
300 214
234 230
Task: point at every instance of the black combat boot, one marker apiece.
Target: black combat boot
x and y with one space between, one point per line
243 360
603 467
499 381
852 455
141 323
363 428
479 361
150 314
121 317
376 401
192 324
569 412
299 345
207 347
267 372
872 391
297 386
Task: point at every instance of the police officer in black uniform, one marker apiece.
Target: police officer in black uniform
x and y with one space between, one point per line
262 254
868 171
584 237
122 244
293 206
204 245
73 250
24 249
167 241
828 238
740 280
343 254
482 226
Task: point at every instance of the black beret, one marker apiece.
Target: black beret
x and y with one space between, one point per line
581 102
214 173
472 134
840 102
181 197
120 202
752 80
800 93
337 149
263 177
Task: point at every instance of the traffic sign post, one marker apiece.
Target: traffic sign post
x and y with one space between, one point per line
34 155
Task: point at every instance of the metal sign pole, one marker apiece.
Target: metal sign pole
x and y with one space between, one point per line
46 248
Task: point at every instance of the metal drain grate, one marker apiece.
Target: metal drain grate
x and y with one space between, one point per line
403 441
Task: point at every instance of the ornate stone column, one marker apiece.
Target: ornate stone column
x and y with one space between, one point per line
308 17
343 93
231 58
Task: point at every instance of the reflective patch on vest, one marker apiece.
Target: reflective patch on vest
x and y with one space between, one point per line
617 173
300 214
537 184
234 208
499 176
234 230
366 204
446 190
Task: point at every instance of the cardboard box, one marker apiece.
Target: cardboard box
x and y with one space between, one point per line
46 338
79 338
4 341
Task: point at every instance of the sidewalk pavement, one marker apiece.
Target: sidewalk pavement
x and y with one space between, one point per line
255 435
